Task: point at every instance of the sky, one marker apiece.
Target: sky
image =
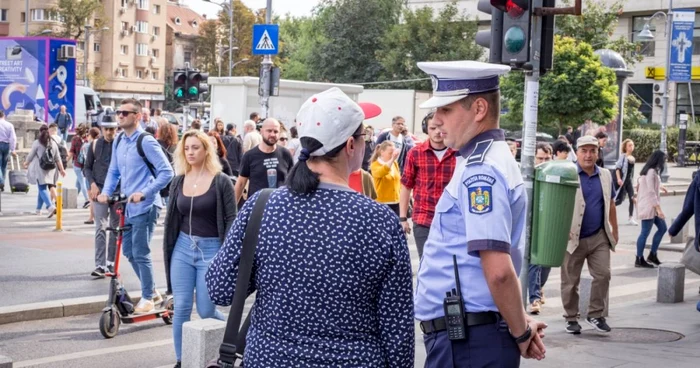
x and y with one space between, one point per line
280 7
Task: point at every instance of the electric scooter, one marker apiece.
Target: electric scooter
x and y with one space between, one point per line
120 307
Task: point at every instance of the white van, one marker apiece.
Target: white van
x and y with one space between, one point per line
87 101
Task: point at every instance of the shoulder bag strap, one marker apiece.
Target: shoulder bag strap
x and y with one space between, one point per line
227 350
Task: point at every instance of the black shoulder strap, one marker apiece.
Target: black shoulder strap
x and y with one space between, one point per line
227 350
139 148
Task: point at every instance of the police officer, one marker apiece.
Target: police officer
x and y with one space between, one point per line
478 232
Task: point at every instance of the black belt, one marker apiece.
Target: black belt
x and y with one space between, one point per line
472 319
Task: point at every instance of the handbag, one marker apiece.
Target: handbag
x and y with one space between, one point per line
231 348
691 256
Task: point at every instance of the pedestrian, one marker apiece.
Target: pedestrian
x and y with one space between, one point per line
8 145
219 126
147 123
64 121
569 134
561 151
197 221
76 143
196 124
370 146
265 165
252 137
168 140
428 170
387 175
401 142
649 208
537 275
63 153
328 289
220 150
513 147
43 150
142 187
294 145
283 139
92 135
99 156
482 211
234 150
624 172
602 138
592 237
254 117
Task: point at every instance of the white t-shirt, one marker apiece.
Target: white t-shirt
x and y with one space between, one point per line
398 141
295 144
440 154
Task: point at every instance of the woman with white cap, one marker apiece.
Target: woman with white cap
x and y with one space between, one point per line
332 269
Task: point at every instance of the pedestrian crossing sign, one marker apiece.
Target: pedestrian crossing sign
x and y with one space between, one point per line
266 39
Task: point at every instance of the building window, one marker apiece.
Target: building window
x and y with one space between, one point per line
696 35
645 48
177 21
141 49
125 26
188 57
3 15
156 9
43 15
156 31
683 101
195 24
155 53
142 27
143 4
124 50
139 73
122 73
154 75
96 47
23 17
80 45
125 3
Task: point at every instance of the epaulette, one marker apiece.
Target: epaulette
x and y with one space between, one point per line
479 153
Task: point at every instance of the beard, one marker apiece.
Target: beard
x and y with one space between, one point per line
270 141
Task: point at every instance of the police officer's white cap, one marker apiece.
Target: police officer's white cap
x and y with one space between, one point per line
455 80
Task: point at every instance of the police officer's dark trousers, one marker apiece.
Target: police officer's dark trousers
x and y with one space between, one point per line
489 345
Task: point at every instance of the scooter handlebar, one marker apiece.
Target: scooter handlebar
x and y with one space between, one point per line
117 198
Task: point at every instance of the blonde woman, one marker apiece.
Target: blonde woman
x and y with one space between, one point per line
624 172
193 232
386 174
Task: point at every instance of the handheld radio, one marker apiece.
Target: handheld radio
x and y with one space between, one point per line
454 310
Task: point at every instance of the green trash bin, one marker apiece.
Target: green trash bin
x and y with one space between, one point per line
554 196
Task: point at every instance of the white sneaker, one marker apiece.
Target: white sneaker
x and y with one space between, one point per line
144 306
157 298
632 222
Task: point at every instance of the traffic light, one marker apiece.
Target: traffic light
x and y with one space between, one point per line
197 84
180 85
491 39
547 42
516 31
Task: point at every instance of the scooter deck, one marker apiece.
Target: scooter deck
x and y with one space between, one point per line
135 318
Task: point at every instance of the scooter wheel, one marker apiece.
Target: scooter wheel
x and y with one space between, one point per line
108 328
170 307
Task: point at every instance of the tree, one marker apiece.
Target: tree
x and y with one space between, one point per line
423 35
299 37
596 26
74 15
578 88
633 117
352 34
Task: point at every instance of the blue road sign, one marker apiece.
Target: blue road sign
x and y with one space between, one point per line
681 44
266 39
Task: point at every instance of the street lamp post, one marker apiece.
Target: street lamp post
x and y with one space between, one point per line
229 8
222 52
26 18
646 35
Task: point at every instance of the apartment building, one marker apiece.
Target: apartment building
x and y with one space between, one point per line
126 56
647 81
181 36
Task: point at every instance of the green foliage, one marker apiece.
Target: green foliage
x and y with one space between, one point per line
300 37
423 35
646 141
578 88
74 15
596 26
633 117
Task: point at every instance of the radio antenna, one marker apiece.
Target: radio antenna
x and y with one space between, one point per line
459 286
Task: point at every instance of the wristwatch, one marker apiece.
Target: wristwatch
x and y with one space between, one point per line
524 337
403 219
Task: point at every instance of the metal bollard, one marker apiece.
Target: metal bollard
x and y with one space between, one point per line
59 206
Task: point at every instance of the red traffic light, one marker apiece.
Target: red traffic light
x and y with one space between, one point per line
180 78
514 8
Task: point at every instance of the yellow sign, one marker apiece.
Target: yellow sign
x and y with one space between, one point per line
659 73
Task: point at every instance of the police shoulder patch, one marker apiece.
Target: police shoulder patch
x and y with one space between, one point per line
480 190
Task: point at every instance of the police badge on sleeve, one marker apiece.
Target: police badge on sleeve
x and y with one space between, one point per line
479 192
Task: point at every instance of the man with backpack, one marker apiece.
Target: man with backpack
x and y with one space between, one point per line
143 168
99 156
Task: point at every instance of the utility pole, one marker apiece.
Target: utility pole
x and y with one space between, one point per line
26 18
665 97
230 40
85 55
266 68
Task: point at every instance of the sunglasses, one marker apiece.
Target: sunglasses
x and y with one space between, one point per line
283 139
125 113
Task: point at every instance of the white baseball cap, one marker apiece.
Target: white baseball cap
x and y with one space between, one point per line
331 117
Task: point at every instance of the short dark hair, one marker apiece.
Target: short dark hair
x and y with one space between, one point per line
293 131
134 102
560 146
544 146
2 114
53 126
196 124
601 135
569 128
492 98
397 118
253 116
229 127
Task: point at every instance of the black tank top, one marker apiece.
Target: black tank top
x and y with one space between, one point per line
203 213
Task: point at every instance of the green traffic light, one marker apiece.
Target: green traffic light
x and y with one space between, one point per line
514 40
193 91
180 93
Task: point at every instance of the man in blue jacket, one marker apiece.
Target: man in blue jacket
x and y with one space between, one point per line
64 122
401 142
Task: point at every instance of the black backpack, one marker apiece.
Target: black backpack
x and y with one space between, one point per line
47 161
139 148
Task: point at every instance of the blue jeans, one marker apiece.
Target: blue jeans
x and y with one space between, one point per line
4 156
646 230
536 278
43 197
188 266
64 134
136 248
80 182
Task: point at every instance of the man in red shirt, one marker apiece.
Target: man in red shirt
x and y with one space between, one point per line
428 170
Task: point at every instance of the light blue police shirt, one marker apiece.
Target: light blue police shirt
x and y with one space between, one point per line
482 208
